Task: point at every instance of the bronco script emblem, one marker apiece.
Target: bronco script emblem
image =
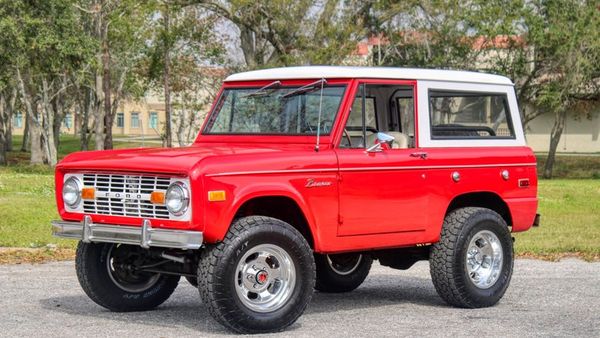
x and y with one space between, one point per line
311 183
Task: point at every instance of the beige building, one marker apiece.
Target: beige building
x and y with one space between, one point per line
581 135
134 118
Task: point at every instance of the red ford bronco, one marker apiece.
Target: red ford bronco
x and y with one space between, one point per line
298 180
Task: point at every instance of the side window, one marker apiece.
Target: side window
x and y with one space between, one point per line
388 109
353 132
460 115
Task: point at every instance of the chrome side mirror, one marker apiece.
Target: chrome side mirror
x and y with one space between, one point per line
381 138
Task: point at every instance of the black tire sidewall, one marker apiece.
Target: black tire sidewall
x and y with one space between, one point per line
479 222
93 275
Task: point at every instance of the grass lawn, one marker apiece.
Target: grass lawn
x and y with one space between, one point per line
570 221
570 211
570 215
27 203
572 165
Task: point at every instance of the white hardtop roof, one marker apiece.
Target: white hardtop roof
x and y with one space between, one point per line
333 72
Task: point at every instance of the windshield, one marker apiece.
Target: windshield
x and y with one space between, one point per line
275 111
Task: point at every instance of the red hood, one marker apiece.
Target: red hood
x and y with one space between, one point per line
166 160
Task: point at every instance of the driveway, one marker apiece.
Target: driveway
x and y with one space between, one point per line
544 299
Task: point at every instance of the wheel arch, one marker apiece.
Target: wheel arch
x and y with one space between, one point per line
282 206
482 199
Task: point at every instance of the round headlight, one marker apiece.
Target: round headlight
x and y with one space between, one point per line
71 192
177 198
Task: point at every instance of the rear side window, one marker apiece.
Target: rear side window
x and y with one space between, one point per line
464 115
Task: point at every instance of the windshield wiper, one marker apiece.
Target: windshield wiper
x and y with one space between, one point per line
261 91
305 89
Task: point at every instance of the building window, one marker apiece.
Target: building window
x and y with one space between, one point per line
18 120
68 121
153 121
135 120
120 120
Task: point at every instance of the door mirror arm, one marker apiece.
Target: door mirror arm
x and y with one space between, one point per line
381 138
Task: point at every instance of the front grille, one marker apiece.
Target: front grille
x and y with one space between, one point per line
125 195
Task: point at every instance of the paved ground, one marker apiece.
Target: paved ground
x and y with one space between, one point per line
544 299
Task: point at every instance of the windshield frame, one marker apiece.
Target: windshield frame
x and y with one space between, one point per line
204 136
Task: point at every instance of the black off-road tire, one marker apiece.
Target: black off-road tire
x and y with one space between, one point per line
217 275
448 258
330 280
91 266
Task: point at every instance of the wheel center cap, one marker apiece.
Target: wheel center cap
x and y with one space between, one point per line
261 277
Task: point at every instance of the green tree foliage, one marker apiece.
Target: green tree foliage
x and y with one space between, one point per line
182 42
550 48
41 47
288 32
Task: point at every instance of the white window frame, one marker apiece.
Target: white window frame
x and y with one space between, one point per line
424 123
139 120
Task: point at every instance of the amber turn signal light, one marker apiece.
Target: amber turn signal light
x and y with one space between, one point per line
88 193
216 196
157 197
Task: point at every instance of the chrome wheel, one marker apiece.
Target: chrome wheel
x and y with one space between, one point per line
121 259
344 264
484 259
265 278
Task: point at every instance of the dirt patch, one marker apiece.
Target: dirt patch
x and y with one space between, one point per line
35 255
557 256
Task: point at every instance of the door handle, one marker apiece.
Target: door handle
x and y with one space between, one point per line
420 154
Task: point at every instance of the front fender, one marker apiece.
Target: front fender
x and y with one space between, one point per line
220 215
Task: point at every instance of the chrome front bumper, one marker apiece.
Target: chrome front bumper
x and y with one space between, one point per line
144 236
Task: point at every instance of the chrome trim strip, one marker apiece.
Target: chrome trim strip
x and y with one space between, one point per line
381 168
266 172
466 166
144 236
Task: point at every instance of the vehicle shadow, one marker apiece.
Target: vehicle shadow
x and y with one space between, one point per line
184 308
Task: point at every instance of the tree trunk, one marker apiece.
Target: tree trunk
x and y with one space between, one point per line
100 28
48 125
557 130
86 107
9 123
166 79
25 146
33 122
108 118
181 118
3 121
36 141
248 46
2 146
59 117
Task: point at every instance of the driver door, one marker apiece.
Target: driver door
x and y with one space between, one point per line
381 191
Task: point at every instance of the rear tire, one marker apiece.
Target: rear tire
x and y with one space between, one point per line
260 278
341 272
471 266
104 279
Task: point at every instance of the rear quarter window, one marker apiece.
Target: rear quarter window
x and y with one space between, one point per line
469 115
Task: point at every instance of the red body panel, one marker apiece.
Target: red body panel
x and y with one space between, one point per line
361 201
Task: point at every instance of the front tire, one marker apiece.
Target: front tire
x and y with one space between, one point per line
260 278
341 272
104 272
471 266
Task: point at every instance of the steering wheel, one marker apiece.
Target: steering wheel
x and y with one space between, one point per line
348 138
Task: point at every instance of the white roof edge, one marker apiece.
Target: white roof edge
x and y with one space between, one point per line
331 72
